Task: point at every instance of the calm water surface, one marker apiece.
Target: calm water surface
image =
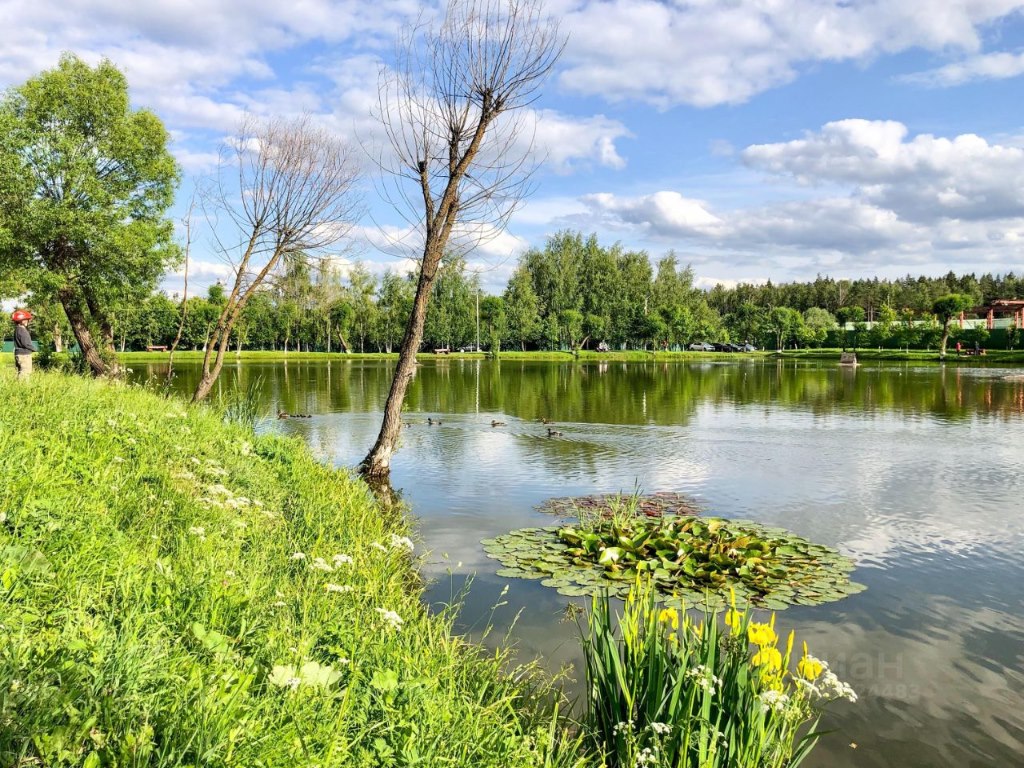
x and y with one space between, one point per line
914 471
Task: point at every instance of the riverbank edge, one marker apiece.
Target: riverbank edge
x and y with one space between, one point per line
991 357
224 598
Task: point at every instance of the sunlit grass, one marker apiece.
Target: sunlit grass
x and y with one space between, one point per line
175 591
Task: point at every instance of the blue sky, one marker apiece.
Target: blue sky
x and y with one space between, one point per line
771 139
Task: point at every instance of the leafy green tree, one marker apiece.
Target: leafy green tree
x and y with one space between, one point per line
783 323
817 323
522 308
946 308
361 288
850 316
85 183
394 302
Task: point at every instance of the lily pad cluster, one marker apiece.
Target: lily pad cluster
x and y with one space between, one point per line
607 504
692 561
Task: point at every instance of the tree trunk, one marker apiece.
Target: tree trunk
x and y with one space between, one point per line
100 318
80 327
58 339
945 337
377 463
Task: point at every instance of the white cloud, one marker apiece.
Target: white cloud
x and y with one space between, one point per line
566 142
707 53
909 201
664 213
986 66
924 179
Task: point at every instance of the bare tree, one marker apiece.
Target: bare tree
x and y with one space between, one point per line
294 195
461 154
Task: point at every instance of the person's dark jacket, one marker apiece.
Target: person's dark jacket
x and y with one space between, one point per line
22 341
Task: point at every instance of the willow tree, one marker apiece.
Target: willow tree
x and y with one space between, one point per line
85 184
284 191
460 155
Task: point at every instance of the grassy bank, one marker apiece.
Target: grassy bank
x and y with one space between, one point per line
179 592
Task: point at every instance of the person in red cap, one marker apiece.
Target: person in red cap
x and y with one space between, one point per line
23 348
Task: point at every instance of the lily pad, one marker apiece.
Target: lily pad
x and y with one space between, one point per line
693 560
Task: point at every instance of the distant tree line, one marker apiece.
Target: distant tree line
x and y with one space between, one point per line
573 293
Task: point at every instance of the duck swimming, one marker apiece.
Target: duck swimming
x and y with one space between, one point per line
498 424
554 433
432 422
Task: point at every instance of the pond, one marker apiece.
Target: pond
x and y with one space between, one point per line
914 471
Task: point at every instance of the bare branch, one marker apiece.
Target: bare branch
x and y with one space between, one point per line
293 193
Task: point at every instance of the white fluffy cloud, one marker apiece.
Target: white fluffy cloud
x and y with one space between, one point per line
923 179
986 66
705 53
909 201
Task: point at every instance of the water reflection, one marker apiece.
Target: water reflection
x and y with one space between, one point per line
914 470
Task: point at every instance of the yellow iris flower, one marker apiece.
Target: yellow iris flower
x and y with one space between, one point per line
670 615
761 634
769 658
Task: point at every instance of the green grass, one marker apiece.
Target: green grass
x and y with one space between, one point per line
154 612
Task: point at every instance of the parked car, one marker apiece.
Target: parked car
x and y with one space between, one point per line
748 348
702 346
469 348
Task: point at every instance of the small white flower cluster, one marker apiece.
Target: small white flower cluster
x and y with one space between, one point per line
401 542
393 620
704 678
395 542
198 531
342 588
828 686
298 556
832 687
647 756
320 564
622 727
773 701
661 729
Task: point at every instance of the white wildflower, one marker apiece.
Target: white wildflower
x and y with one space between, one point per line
661 729
338 588
773 701
378 545
704 678
622 727
646 757
293 682
229 574
319 564
279 604
298 556
197 530
341 559
394 621
401 542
